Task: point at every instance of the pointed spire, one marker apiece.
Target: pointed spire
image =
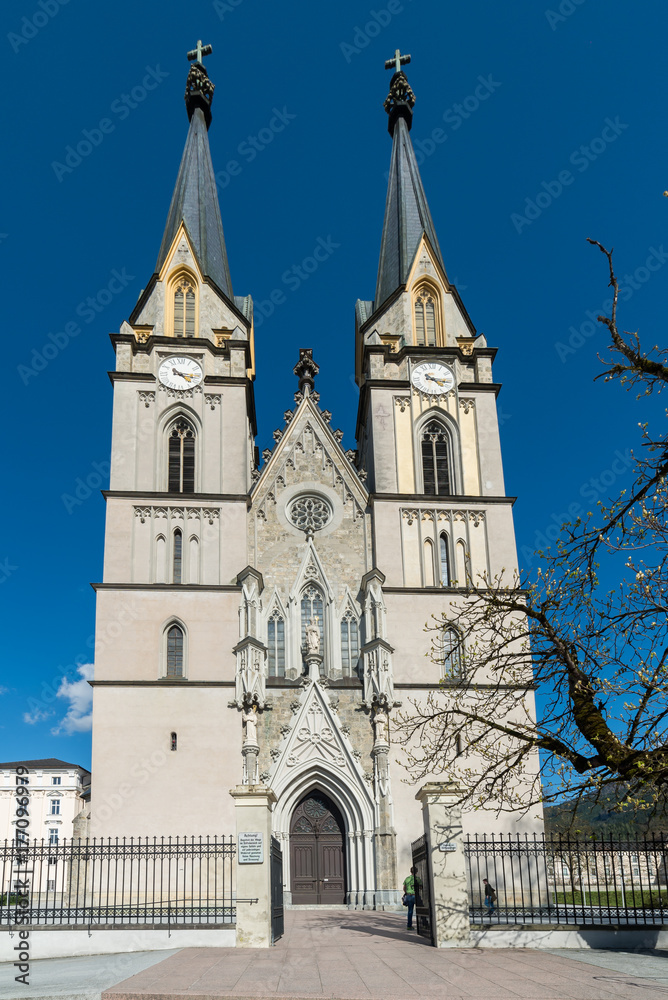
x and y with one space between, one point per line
407 215
195 198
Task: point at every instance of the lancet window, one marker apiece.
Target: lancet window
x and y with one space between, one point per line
276 644
453 660
425 318
350 643
177 557
174 657
181 472
436 472
185 302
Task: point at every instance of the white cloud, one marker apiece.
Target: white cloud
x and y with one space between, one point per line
39 715
79 693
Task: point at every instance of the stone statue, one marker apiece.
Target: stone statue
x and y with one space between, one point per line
250 723
312 637
380 721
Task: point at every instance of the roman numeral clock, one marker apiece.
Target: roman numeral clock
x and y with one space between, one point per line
432 378
180 372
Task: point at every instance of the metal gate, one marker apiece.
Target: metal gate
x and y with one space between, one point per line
423 914
276 855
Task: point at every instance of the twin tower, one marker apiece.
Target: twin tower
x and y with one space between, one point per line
261 622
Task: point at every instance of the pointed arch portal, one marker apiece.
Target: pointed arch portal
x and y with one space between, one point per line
317 851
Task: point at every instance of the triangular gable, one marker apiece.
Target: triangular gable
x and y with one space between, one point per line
315 741
307 425
311 569
181 253
426 262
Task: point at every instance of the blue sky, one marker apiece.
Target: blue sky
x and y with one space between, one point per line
535 126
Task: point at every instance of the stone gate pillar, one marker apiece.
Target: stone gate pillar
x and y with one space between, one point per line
254 806
445 846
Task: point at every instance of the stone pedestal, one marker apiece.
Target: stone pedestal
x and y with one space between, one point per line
313 664
254 806
443 829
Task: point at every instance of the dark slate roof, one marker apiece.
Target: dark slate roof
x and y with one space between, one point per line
407 217
45 764
363 310
244 304
195 202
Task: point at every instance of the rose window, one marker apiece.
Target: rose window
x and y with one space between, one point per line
309 513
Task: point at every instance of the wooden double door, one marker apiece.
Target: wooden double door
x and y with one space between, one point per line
317 858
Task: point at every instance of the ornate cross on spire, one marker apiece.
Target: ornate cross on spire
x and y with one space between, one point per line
206 50
199 89
396 63
400 100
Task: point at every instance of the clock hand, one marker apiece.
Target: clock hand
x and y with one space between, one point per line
439 381
188 378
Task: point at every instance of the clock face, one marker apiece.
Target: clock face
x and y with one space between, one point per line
180 372
432 378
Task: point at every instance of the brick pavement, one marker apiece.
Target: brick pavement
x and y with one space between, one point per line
351 955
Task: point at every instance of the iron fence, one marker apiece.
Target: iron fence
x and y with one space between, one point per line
156 882
568 880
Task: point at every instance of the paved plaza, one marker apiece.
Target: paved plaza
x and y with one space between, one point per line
349 956
352 955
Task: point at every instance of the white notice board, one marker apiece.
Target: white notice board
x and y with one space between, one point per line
251 849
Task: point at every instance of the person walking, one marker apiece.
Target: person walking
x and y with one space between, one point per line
411 890
490 896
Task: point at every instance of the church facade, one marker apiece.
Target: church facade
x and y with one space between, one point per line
268 617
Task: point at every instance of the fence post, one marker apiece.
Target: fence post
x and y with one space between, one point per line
254 805
442 818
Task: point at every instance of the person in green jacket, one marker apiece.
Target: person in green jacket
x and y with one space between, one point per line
412 889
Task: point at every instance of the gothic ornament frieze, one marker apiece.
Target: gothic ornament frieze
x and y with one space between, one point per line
177 513
181 393
146 398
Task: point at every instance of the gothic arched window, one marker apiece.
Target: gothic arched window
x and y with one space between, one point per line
276 644
453 660
425 318
181 473
312 606
435 446
444 559
184 307
177 557
350 643
174 658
